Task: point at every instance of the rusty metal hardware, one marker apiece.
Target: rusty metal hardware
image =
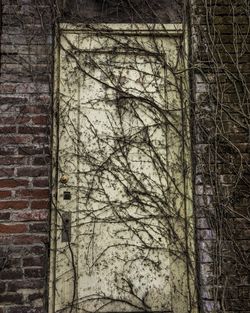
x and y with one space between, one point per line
67 195
64 179
66 227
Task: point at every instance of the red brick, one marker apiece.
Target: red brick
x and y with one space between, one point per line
37 215
11 298
43 100
2 287
34 109
9 120
13 160
24 309
38 250
31 130
40 204
33 261
21 119
4 216
35 296
43 160
15 139
8 150
41 140
7 88
11 274
27 284
31 150
29 239
40 120
33 193
14 205
6 172
5 120
39 227
39 182
34 272
7 130
5 193
16 99
13 263
32 171
13 183
13 228
32 87
244 292
6 240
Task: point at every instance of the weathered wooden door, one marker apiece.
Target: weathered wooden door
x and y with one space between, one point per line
120 241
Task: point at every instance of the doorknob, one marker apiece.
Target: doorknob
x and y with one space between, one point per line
64 179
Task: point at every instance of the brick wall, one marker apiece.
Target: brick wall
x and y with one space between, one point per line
25 105
221 81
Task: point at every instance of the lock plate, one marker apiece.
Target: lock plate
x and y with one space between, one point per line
66 227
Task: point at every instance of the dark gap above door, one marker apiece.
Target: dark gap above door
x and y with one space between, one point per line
121 11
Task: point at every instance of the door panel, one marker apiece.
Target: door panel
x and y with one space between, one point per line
122 149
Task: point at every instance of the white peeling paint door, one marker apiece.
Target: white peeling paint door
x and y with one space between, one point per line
119 237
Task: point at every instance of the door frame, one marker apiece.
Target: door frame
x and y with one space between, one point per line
166 30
